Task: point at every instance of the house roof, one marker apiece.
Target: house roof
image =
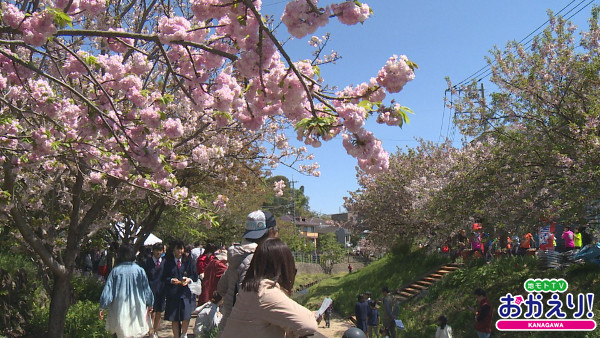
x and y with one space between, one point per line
325 229
312 221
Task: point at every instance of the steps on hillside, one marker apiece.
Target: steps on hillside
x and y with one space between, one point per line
421 285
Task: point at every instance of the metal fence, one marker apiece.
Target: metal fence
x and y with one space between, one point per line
304 257
307 257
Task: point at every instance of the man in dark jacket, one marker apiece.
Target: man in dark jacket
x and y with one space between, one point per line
154 266
361 310
483 316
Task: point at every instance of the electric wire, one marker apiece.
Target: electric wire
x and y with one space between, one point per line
526 44
484 70
443 115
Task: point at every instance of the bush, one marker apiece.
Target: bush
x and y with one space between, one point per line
400 248
39 320
86 288
18 285
83 321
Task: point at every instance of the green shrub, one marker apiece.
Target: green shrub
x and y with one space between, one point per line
86 288
83 321
12 262
39 320
400 248
18 287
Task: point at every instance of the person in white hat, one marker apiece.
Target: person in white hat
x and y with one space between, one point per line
260 225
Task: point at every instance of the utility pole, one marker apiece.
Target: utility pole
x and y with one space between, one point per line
481 90
293 200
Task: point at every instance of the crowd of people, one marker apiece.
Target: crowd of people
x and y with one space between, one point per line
376 318
245 288
484 245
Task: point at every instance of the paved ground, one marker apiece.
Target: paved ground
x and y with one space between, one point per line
337 327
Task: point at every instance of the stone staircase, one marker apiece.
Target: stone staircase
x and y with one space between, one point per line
417 287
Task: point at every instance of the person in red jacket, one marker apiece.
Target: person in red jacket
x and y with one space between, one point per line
483 316
212 274
204 259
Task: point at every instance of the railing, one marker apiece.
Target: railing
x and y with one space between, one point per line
304 257
307 257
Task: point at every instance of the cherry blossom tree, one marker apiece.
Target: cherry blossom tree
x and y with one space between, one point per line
540 127
394 204
533 155
103 102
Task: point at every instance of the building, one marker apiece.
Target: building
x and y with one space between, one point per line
311 227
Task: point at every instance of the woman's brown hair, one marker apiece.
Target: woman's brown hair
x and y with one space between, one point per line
272 260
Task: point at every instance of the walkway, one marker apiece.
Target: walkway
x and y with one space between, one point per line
337 328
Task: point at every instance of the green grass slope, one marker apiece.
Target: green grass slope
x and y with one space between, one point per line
453 295
393 271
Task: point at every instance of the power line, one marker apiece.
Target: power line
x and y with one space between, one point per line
443 115
526 44
485 69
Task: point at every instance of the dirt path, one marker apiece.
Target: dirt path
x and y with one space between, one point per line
337 328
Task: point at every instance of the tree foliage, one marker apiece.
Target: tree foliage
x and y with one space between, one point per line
286 201
330 251
394 205
532 156
541 128
107 102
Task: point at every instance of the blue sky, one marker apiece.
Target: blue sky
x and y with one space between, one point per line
445 38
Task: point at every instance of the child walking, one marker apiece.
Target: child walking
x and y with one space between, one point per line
373 320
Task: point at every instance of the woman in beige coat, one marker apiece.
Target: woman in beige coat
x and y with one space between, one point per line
263 307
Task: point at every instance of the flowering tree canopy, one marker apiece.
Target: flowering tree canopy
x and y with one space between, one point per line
541 126
104 101
533 155
394 204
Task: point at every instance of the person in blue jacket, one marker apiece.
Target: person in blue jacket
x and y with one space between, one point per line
154 267
178 273
127 297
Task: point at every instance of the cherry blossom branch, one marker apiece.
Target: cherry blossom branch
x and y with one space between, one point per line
284 53
139 36
26 231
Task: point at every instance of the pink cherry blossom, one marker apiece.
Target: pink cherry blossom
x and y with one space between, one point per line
278 188
11 15
209 9
73 68
173 128
38 27
395 74
301 19
349 13
221 201
173 29
62 4
92 7
139 64
118 46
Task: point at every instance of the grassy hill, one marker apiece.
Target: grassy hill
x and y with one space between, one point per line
453 295
393 271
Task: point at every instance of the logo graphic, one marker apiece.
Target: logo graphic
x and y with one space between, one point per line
543 308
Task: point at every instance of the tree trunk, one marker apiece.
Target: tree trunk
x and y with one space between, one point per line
59 304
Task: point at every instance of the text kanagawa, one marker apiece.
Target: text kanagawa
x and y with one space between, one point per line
545 325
